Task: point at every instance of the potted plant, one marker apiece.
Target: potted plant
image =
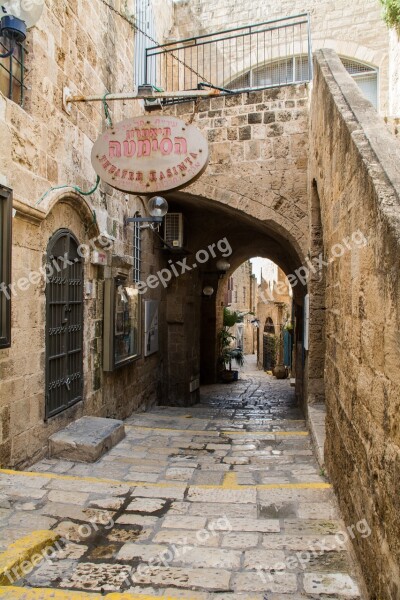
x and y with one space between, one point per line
279 371
228 353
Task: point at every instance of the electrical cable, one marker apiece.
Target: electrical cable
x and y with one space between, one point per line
74 187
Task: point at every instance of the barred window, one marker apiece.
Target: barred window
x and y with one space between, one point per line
137 251
5 266
295 69
12 72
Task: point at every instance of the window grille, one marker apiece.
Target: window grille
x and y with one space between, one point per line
137 252
145 35
5 266
295 70
12 72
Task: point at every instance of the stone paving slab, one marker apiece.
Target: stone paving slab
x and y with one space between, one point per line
222 500
86 439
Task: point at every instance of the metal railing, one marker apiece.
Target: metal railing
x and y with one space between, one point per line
269 54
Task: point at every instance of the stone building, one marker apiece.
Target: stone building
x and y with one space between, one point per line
242 298
274 311
305 175
88 47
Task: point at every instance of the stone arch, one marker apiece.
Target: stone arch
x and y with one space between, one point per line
269 326
80 205
253 207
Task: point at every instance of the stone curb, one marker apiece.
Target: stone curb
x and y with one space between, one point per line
17 593
27 549
316 422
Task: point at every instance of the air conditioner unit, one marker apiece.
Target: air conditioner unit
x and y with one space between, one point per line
173 230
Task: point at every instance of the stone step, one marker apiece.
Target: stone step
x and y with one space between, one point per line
87 439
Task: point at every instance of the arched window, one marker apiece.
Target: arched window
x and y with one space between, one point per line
294 69
269 326
64 323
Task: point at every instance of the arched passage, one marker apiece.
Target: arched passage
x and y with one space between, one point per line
208 222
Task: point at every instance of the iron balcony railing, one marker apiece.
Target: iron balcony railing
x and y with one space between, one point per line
269 54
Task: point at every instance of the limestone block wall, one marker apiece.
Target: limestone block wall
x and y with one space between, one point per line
90 48
258 145
274 302
355 30
394 74
243 300
355 169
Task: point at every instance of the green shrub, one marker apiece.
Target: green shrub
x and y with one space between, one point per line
391 13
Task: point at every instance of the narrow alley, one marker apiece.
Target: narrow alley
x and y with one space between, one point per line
221 500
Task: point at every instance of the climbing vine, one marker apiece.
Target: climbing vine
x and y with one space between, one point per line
392 13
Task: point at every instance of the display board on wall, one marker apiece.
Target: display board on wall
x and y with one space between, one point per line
121 338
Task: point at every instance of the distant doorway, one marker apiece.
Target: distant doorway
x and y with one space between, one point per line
269 349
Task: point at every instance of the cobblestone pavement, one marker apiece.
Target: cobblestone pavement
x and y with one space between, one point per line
222 500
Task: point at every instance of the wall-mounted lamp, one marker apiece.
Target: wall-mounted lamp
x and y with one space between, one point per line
255 323
208 291
12 29
157 208
222 267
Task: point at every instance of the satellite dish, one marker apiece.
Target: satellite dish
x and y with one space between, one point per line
28 11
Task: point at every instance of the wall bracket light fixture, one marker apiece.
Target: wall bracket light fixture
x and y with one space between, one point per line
14 30
157 208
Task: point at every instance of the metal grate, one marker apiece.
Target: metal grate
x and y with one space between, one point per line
12 73
145 33
173 230
137 252
227 59
64 324
5 265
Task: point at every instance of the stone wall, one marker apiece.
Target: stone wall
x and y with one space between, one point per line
254 192
394 74
357 175
89 48
355 30
275 303
242 294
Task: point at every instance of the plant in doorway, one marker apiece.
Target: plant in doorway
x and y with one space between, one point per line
227 353
279 371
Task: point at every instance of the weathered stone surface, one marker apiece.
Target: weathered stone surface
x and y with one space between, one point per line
265 582
341 585
208 579
87 439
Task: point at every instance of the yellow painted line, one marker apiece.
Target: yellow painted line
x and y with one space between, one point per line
163 485
189 431
99 480
294 486
209 418
299 433
17 593
222 432
230 481
26 550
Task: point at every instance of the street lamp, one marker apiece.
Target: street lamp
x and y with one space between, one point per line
14 30
157 208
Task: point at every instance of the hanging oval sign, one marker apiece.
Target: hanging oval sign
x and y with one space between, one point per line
146 155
